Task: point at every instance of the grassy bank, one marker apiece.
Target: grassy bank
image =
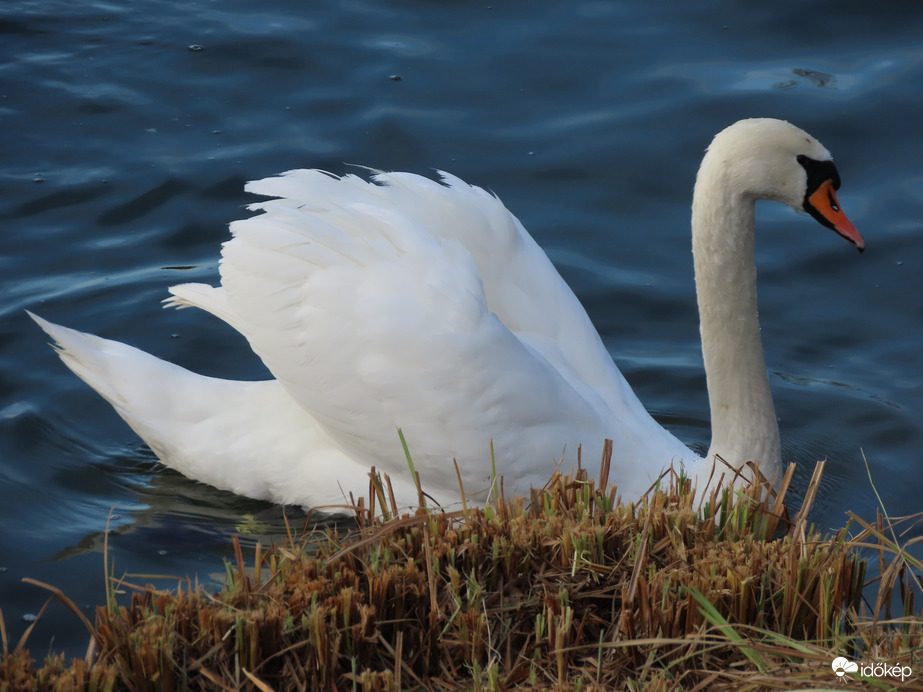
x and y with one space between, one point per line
568 591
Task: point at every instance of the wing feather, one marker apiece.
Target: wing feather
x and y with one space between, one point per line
407 302
373 320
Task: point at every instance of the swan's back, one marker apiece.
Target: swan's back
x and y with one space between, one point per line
404 213
400 302
406 302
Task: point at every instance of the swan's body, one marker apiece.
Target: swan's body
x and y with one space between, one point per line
426 306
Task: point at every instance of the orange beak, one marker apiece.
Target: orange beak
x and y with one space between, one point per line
825 203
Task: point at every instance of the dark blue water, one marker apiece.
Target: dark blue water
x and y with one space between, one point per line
127 130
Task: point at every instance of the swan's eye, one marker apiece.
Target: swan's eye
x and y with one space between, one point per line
818 172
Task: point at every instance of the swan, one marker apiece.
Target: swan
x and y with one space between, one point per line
403 302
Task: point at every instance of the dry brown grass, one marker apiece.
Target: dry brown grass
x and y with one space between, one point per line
570 591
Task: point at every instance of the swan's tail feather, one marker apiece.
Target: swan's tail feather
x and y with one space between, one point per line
172 409
107 366
247 437
160 401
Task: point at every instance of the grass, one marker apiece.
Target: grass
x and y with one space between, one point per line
570 590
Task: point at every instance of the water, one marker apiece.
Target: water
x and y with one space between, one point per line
127 130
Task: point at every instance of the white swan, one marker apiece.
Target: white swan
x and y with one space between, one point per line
408 303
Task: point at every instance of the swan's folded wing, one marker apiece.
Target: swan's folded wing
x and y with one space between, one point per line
373 321
521 286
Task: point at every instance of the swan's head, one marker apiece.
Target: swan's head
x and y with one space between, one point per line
764 158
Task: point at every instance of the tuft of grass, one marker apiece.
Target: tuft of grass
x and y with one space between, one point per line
572 590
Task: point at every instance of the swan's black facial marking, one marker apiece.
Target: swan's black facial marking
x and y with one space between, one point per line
820 199
818 173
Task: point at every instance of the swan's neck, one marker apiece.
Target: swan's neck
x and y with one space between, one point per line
743 420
